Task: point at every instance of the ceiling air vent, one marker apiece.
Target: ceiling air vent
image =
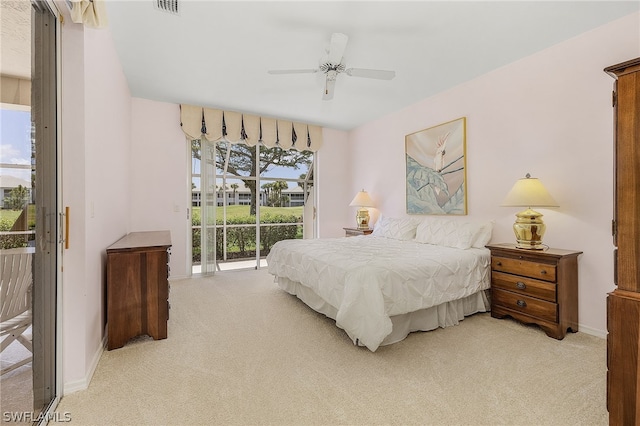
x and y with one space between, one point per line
170 6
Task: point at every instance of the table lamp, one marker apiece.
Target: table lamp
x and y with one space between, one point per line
362 200
529 227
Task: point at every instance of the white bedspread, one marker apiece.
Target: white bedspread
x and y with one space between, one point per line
368 279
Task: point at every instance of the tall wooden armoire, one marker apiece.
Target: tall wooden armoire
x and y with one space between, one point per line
623 304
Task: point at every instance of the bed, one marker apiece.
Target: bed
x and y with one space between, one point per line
408 275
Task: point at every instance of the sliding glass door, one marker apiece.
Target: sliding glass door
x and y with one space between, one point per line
44 97
29 220
257 197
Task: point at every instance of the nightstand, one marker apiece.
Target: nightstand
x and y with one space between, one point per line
352 232
535 287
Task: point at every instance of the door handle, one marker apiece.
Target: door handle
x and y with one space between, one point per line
64 224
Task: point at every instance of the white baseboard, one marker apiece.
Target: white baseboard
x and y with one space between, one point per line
592 331
82 384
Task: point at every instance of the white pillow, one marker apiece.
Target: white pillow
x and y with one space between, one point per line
483 235
397 229
453 233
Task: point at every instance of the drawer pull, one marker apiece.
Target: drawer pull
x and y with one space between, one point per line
543 272
521 303
499 263
521 285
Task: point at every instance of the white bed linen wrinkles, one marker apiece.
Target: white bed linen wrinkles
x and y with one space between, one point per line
368 279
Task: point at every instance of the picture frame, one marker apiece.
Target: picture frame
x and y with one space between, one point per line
436 182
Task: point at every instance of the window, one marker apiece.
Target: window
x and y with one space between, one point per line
260 196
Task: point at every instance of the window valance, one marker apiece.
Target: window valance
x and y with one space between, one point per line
91 13
236 127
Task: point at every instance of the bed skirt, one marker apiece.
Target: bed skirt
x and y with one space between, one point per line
444 315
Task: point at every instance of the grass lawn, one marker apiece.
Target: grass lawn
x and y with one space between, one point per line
243 211
10 216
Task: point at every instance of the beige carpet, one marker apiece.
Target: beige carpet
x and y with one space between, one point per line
241 351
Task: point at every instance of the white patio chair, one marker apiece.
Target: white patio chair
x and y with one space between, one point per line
15 300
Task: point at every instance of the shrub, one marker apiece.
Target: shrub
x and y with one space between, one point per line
10 241
241 239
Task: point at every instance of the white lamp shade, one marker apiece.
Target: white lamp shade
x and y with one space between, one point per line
361 199
529 192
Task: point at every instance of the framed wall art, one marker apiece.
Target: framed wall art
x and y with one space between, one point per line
436 169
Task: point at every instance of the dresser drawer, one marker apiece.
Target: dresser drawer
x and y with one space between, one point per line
534 307
541 271
526 286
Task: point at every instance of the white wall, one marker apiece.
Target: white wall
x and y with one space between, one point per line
96 138
548 114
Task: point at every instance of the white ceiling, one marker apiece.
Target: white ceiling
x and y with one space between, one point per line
217 53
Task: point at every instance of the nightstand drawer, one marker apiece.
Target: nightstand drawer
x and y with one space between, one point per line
353 232
527 305
541 271
526 286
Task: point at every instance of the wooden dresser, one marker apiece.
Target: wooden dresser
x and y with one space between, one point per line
138 287
623 304
535 287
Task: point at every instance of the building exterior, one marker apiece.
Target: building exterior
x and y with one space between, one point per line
294 197
8 184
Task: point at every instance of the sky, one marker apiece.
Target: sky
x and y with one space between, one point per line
15 142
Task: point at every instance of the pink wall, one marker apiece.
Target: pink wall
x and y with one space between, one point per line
159 187
96 139
548 114
73 177
332 177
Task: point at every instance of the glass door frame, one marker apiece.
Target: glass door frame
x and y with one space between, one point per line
55 218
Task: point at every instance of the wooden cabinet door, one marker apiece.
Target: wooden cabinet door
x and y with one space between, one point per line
623 304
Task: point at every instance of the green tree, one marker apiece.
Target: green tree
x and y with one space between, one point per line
244 161
18 198
267 188
235 187
279 199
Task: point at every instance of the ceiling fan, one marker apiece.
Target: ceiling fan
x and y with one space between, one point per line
332 65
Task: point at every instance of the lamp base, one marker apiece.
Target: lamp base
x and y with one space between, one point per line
362 218
529 229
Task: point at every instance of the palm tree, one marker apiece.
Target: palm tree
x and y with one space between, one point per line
234 186
267 192
278 186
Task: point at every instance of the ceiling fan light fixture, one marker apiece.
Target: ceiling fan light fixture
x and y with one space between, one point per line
332 65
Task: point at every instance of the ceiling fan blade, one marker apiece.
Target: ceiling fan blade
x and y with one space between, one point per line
308 71
363 72
328 89
337 47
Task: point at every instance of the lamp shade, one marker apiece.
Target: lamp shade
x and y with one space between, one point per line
361 199
529 192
